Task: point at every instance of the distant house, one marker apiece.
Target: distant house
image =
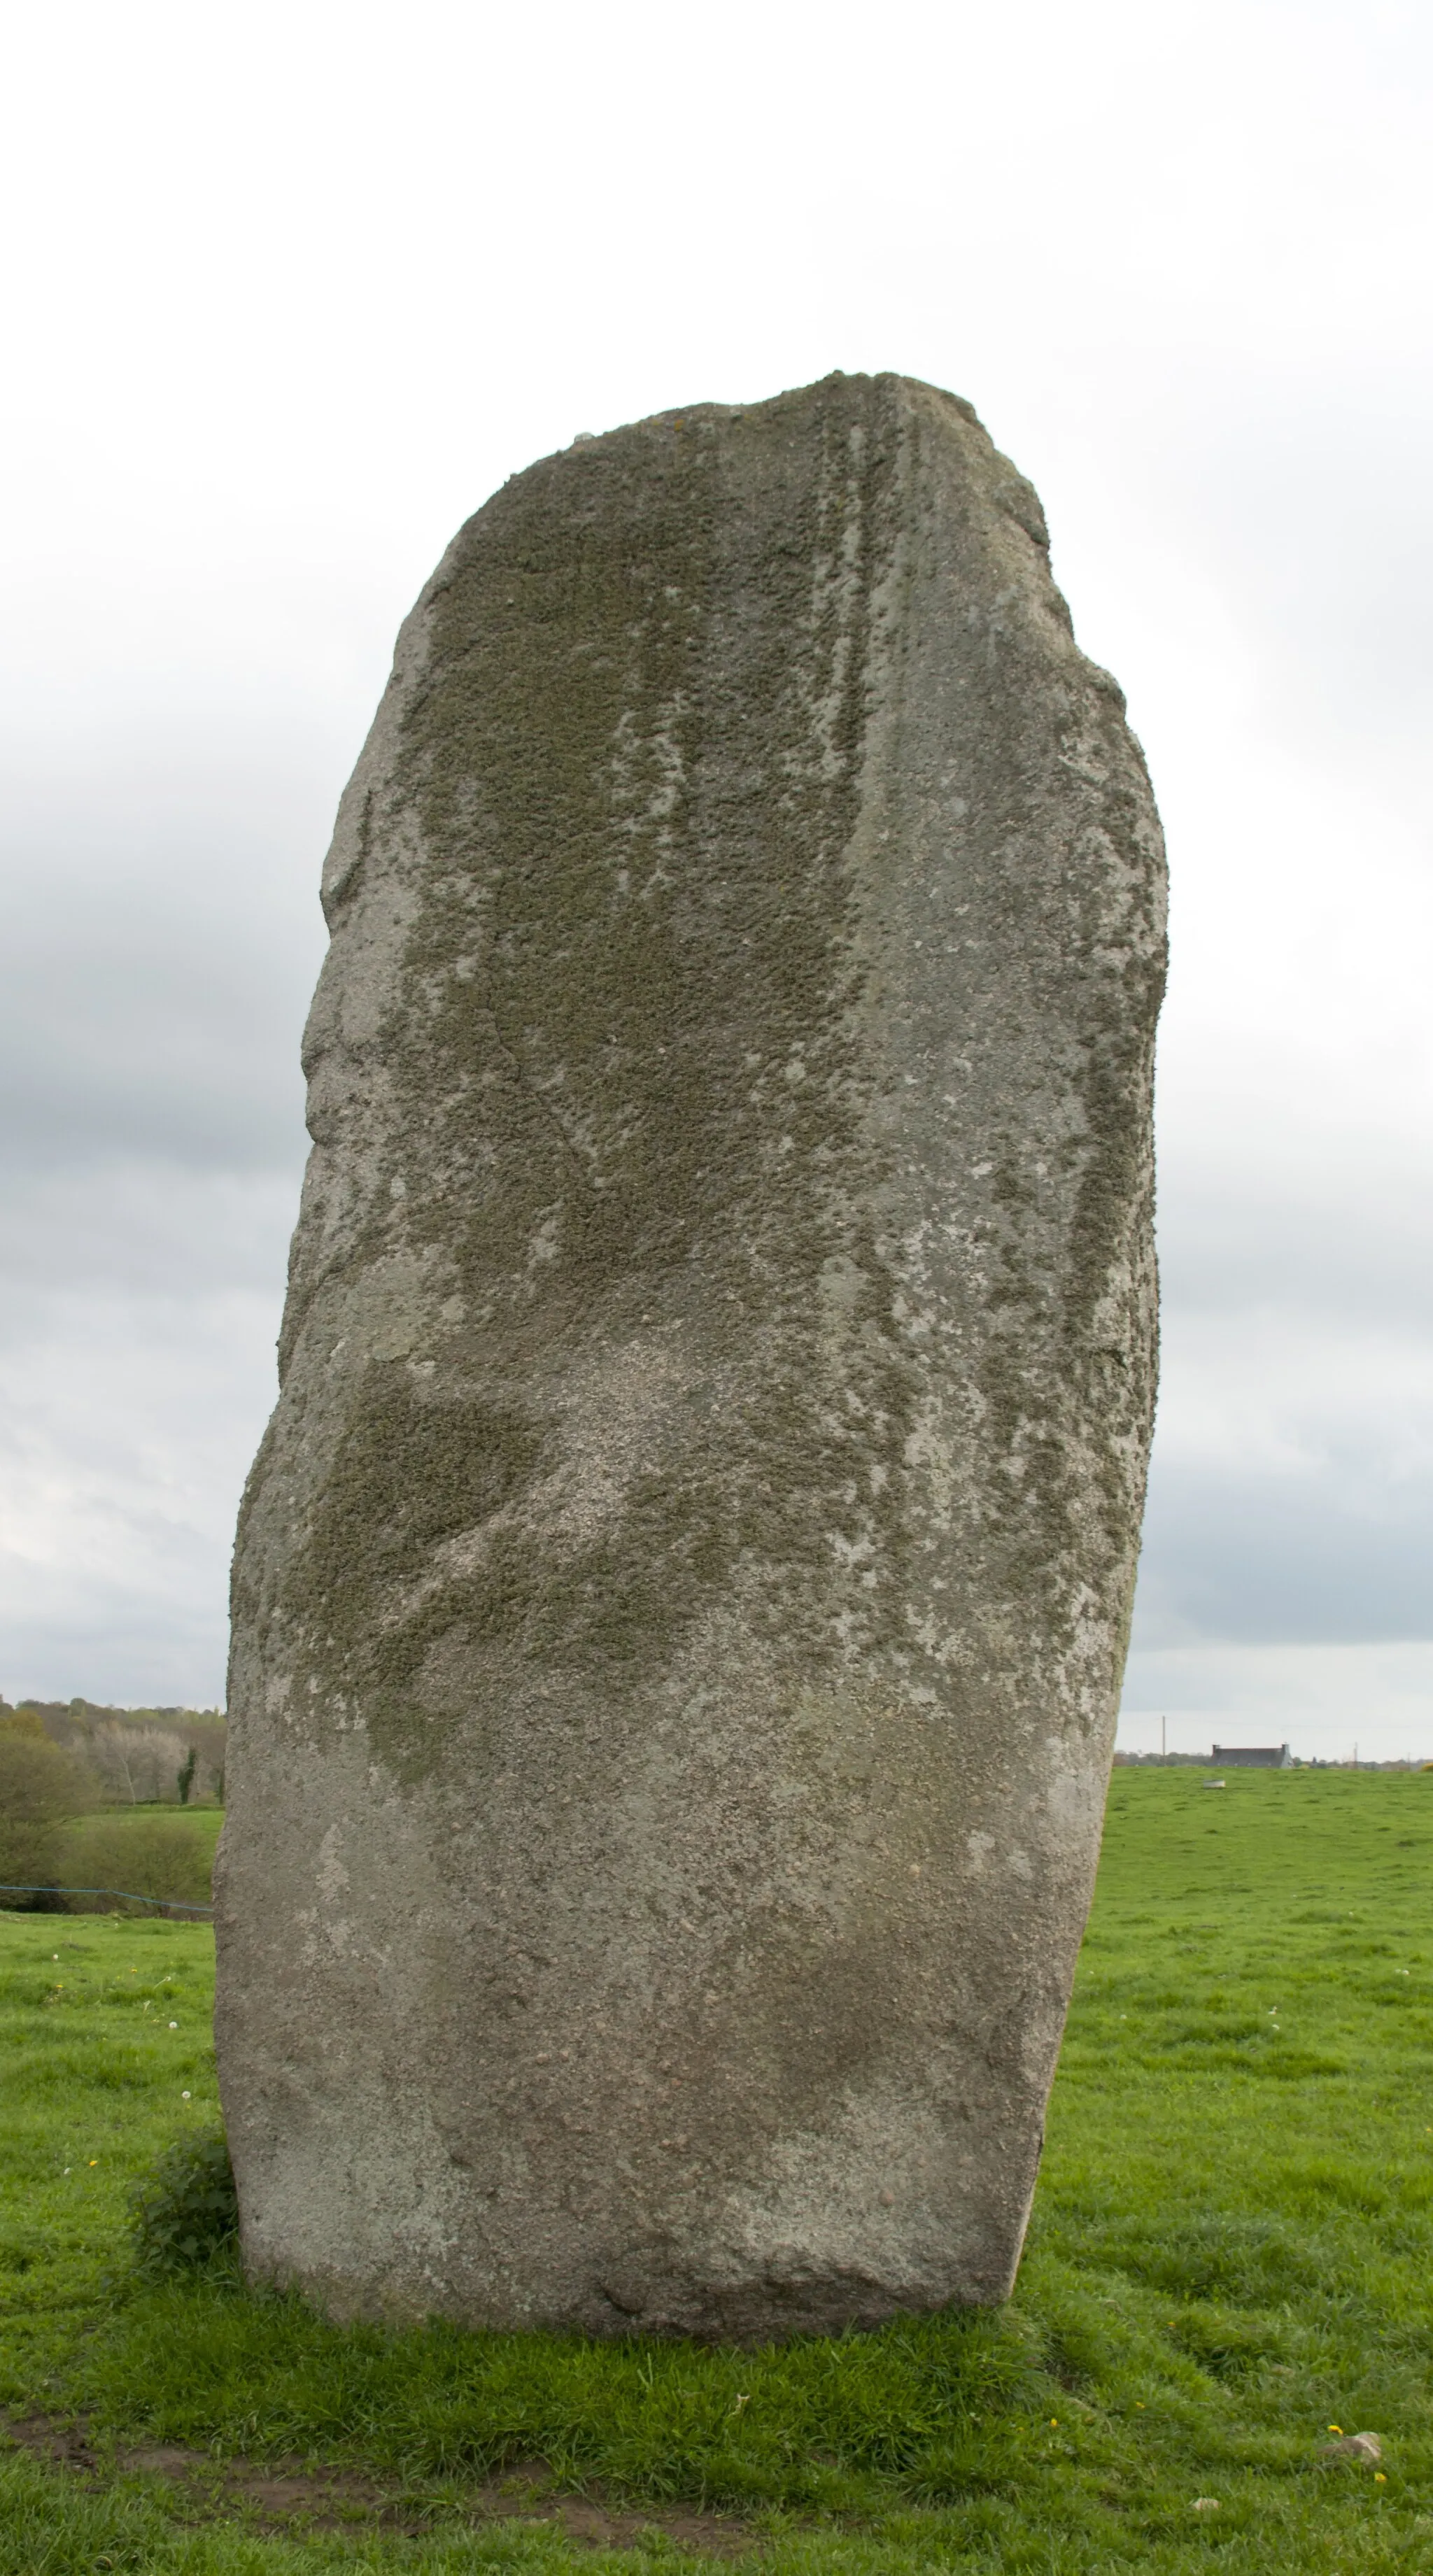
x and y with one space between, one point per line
1254 1757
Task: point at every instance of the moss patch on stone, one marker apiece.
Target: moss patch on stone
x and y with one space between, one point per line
624 1043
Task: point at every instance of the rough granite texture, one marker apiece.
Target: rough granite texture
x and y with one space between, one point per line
681 1597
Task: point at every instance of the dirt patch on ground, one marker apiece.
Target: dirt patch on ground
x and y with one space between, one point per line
283 2492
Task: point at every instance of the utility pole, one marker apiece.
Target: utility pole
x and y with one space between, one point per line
1162 1724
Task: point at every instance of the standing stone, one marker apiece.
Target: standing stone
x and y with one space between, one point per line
681 1597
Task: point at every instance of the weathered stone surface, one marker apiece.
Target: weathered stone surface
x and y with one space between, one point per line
681 1596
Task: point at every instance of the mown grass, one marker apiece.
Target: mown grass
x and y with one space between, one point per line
1232 2251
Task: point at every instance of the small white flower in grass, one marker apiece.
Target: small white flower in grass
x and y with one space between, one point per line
174 2025
183 2097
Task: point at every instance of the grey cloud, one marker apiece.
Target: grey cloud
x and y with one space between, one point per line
1321 512
125 1039
161 934
127 1422
123 1648
137 1228
1277 1559
1355 1242
159 938
1290 1491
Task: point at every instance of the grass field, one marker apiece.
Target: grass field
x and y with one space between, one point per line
126 1824
150 1852
1232 2252
127 1819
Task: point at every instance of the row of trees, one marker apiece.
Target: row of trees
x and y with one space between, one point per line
41 1788
143 1764
136 1757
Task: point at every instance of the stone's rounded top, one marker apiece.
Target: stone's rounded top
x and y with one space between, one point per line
836 384
833 391
828 392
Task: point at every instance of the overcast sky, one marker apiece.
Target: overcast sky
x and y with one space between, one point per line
291 289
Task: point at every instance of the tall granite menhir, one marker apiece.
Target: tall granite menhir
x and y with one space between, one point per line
681 1597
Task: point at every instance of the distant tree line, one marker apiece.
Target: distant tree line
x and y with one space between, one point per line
1301 1762
136 1757
1165 1761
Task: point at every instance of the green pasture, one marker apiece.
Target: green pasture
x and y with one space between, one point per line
150 1828
145 1851
1232 2253
201 1815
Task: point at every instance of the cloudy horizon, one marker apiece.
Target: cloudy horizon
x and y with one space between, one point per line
298 292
